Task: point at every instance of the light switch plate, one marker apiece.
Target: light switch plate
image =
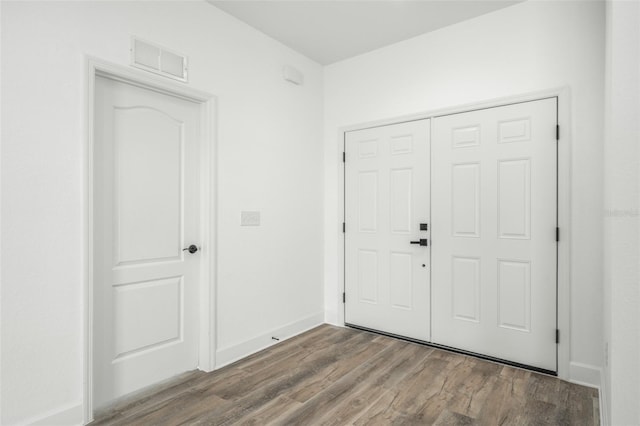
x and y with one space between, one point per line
249 218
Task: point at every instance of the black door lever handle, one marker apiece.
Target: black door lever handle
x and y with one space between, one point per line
192 248
421 241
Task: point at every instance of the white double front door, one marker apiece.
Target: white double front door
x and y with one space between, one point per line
488 195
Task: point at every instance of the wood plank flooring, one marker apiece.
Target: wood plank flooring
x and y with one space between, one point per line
337 376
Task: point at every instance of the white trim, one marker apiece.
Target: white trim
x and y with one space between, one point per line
604 399
564 201
238 351
564 222
1 115
208 213
70 415
585 374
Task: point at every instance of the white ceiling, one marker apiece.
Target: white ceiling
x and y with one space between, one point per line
328 31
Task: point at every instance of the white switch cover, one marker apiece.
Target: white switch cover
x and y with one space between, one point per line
249 218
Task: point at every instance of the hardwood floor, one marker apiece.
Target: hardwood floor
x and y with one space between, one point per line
337 376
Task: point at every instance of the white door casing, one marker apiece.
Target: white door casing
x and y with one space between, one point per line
146 209
387 198
494 216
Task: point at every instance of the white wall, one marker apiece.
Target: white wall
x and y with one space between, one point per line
621 387
270 151
524 48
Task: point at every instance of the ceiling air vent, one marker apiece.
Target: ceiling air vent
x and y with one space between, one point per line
157 59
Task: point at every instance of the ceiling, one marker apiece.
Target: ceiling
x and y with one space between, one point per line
328 31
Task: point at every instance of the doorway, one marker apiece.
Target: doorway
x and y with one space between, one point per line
492 257
150 224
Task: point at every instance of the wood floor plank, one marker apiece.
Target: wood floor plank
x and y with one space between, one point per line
269 412
173 412
580 403
396 370
451 418
316 337
269 387
149 397
422 401
427 382
380 411
321 403
338 376
331 373
316 359
350 358
497 403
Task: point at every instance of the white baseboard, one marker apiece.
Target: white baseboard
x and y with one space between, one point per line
231 354
69 416
604 402
585 374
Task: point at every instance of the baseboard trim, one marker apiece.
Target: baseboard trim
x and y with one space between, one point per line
69 416
585 374
233 353
604 402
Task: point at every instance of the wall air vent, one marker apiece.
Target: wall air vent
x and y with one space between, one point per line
157 59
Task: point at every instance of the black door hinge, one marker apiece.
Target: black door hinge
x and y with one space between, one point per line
557 132
344 227
344 298
557 234
344 157
557 336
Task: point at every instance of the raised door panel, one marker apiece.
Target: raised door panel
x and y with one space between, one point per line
465 137
517 130
138 327
401 200
368 276
465 288
368 201
514 198
402 144
401 269
465 205
148 188
514 294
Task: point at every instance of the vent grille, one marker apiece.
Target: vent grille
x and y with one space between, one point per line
158 59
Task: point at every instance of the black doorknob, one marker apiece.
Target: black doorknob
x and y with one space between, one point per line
192 248
421 242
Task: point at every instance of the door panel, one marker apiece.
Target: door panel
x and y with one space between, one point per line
494 221
465 205
146 210
387 197
137 325
147 228
465 282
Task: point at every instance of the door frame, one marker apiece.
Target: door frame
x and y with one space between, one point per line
95 67
563 299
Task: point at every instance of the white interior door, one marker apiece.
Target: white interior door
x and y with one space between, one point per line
387 198
146 211
494 232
